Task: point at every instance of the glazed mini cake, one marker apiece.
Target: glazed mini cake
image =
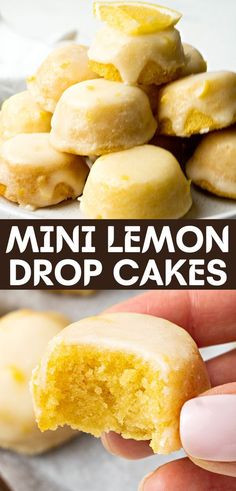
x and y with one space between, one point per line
128 373
65 66
154 58
21 114
194 61
34 174
198 104
100 116
213 165
145 182
24 335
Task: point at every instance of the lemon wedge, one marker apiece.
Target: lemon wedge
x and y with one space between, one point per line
136 17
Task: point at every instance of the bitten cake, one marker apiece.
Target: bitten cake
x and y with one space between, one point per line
198 104
213 165
34 174
100 116
154 58
128 373
21 114
144 182
24 335
65 66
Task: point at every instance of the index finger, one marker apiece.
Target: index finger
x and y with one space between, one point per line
208 315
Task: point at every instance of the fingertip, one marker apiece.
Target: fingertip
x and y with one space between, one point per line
128 449
183 475
106 440
160 480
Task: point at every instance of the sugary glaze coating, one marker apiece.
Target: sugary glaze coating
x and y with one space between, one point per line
198 104
144 182
154 58
24 335
65 66
99 116
128 373
21 114
194 61
35 175
213 165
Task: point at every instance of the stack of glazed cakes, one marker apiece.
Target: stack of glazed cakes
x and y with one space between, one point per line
131 105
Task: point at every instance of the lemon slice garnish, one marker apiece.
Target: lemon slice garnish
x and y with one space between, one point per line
136 17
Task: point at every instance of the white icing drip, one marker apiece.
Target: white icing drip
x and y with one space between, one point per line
130 54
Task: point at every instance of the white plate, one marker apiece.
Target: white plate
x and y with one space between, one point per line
204 206
194 29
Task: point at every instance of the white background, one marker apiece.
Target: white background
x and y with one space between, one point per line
208 24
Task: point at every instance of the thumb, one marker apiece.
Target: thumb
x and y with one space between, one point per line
208 429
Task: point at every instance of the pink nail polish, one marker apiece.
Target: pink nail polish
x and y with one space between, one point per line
208 427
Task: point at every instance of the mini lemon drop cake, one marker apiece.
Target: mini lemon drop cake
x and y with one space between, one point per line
198 104
24 335
65 66
21 114
138 45
128 373
194 61
100 116
213 164
155 58
34 174
144 182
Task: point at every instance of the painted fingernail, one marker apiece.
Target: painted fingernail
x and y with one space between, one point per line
208 427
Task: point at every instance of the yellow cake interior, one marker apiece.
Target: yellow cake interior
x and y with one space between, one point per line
97 390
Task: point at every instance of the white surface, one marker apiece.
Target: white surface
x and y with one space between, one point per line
32 26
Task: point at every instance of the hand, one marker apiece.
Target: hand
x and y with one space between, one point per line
207 424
